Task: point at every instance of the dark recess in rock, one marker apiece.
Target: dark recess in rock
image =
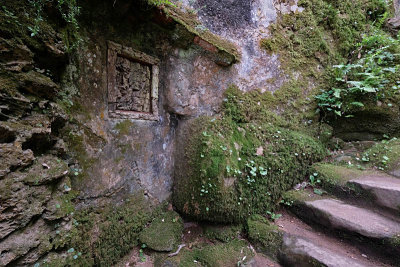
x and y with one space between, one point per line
39 143
6 136
231 14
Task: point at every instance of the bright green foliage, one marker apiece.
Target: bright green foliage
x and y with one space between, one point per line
266 237
240 164
160 2
372 76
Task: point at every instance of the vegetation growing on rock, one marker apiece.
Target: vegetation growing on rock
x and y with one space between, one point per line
384 155
266 237
163 233
232 253
223 233
235 167
348 35
101 236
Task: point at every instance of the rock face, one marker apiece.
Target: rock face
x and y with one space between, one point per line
61 147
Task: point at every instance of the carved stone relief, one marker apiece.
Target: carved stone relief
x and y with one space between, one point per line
132 83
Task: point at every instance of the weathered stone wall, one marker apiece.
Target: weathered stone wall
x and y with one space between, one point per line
191 84
61 149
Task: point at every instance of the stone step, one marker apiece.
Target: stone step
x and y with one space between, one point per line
384 189
297 251
352 222
305 246
339 215
367 187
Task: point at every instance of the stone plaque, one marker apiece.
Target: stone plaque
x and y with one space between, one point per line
132 83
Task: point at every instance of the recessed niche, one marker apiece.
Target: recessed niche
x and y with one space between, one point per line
132 83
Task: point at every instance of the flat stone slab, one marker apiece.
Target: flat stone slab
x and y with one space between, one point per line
339 215
299 251
384 188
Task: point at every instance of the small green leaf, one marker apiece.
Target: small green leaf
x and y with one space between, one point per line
318 191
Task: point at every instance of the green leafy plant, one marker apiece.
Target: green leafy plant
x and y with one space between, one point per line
69 11
273 216
372 76
313 180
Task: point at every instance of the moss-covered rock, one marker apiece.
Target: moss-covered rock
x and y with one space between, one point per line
45 170
384 156
266 237
232 253
164 232
333 175
100 236
230 170
224 233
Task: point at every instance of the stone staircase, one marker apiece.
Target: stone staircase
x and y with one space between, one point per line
356 223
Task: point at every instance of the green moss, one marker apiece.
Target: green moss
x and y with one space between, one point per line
384 155
223 233
226 254
395 241
224 180
101 236
164 232
310 42
120 231
64 204
124 127
266 237
334 174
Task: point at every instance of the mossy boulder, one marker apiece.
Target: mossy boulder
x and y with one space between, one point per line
264 236
164 232
233 253
229 171
223 233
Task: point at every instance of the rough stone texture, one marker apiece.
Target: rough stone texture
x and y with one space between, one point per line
338 215
195 84
12 156
369 124
300 252
44 152
385 189
133 86
21 243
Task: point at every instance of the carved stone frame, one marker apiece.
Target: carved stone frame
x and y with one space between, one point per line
116 50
